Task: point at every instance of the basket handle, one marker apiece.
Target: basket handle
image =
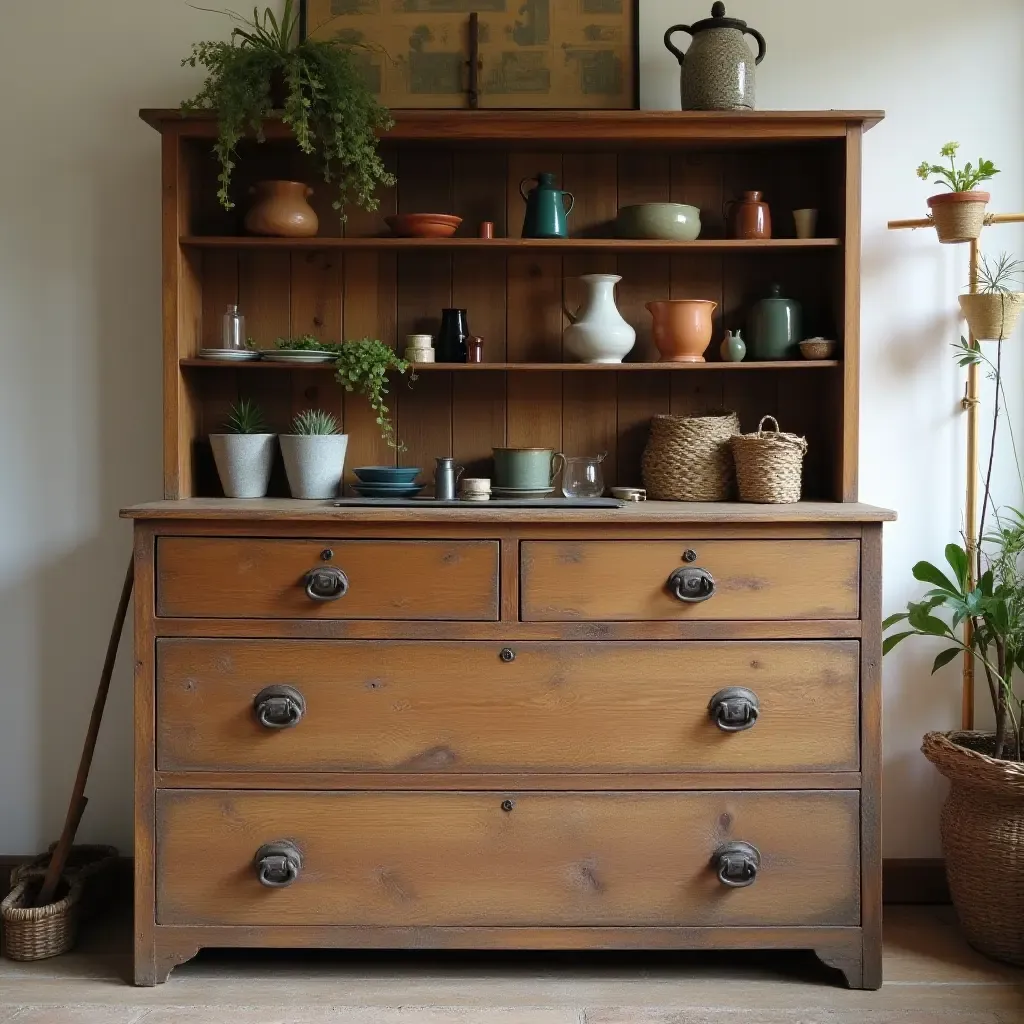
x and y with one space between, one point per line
760 426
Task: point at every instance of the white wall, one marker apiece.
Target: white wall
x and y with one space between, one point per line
79 329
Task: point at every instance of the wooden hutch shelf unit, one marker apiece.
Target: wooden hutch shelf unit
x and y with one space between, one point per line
509 731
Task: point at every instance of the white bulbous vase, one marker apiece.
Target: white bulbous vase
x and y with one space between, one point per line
598 333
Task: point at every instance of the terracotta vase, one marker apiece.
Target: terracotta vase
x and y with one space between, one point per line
682 328
280 209
749 216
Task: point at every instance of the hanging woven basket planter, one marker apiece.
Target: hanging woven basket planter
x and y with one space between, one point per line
959 216
982 828
992 316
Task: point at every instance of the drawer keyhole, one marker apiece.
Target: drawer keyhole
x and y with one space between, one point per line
507 805
507 654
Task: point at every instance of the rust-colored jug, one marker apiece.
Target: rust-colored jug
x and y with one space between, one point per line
749 216
682 328
280 209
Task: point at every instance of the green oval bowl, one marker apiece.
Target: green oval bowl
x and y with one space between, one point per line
670 222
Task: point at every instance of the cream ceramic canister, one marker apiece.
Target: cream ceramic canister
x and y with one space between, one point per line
717 71
597 332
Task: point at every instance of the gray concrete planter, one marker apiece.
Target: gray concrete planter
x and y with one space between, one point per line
314 463
243 462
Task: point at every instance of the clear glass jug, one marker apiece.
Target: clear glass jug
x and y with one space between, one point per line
582 476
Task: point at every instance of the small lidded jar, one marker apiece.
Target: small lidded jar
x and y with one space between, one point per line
474 349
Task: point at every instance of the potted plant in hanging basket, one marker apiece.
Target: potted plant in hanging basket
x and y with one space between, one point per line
959 214
244 453
314 455
992 312
315 85
982 821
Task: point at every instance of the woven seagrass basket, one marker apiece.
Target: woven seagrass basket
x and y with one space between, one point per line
35 933
982 828
958 216
687 458
993 316
769 464
95 867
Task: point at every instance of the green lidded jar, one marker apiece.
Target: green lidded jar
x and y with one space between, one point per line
775 327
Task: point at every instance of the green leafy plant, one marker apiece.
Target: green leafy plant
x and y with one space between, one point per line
996 276
992 602
323 96
962 180
314 421
246 417
363 366
305 343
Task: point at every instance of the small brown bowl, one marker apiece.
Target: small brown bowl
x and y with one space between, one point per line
818 348
423 225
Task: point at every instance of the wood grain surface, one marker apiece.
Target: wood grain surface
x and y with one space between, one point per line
459 707
508 859
201 576
626 580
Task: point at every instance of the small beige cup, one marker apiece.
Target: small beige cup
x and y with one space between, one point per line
476 488
806 222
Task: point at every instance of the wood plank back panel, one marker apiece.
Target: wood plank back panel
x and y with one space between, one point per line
421 579
413 859
626 580
457 707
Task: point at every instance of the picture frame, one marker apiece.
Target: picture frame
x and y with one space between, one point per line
532 54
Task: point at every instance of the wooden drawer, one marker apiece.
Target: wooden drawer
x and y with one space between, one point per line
459 707
412 859
629 580
387 579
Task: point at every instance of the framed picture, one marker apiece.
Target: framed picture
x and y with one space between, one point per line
531 54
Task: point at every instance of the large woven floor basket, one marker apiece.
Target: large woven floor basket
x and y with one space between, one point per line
982 826
769 464
687 458
35 933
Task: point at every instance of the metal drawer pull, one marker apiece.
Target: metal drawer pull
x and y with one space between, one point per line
737 864
325 583
692 584
279 707
734 709
278 864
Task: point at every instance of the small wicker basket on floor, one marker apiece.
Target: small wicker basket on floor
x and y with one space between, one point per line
769 464
35 933
687 458
93 866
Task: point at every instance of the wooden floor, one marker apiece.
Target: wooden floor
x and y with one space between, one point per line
931 976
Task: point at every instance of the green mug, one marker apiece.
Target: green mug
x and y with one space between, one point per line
526 469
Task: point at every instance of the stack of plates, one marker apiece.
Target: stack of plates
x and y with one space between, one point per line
233 355
297 355
521 492
387 481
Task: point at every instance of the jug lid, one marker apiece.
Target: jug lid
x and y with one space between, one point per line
718 20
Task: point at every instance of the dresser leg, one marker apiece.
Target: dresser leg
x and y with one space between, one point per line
861 971
155 969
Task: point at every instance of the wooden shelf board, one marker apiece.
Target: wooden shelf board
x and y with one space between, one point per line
797 364
512 244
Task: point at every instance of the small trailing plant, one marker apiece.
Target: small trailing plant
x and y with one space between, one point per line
962 180
314 422
996 276
305 343
246 417
363 366
324 98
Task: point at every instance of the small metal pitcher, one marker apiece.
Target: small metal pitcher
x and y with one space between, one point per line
446 478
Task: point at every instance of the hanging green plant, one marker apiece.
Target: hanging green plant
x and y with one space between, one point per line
317 87
363 366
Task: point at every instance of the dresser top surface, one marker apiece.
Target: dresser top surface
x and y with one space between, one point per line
291 510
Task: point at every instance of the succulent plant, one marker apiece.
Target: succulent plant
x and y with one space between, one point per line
314 421
246 417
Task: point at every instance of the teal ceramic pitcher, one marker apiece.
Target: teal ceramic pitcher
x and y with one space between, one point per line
774 327
546 213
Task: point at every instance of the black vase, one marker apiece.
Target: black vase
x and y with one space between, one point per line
451 339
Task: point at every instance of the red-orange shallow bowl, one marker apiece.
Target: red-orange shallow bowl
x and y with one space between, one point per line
423 225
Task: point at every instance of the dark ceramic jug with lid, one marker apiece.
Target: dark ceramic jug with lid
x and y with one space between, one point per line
546 213
717 71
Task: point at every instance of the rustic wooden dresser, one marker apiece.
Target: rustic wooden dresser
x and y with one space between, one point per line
509 729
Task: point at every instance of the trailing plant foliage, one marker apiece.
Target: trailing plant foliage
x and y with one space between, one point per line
305 343
326 101
363 366
314 422
963 180
246 417
991 599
